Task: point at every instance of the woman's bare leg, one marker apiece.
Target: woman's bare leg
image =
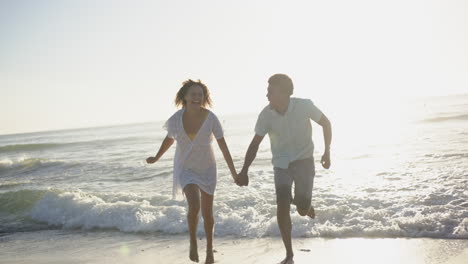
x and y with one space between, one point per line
192 193
207 213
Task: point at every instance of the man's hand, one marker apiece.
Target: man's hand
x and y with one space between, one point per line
242 179
326 160
151 160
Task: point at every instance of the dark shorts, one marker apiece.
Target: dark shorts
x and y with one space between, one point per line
302 173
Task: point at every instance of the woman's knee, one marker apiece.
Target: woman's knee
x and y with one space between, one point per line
206 206
206 212
194 209
208 219
192 193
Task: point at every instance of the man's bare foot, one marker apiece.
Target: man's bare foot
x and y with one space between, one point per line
287 260
193 252
311 212
209 257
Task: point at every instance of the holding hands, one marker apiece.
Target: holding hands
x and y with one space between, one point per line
242 179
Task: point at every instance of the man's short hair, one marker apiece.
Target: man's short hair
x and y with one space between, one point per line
283 81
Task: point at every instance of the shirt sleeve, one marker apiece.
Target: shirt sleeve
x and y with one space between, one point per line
312 111
217 128
262 127
170 126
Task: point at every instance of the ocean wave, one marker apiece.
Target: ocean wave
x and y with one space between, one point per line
248 215
447 118
8 165
9 184
28 147
14 209
45 146
109 141
147 178
15 170
17 202
447 155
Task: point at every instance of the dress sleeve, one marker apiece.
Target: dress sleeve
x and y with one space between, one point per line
312 111
262 127
217 128
170 126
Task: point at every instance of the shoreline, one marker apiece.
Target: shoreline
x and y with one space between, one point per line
76 246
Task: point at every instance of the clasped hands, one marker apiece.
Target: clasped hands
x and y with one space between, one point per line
242 179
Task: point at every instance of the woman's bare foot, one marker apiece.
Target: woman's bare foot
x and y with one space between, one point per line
193 252
287 260
311 212
209 257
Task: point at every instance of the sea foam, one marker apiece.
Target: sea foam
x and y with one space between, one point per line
248 218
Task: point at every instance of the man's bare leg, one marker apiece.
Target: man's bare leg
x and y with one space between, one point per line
287 261
284 222
192 193
311 212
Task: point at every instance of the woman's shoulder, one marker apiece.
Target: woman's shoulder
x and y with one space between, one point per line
211 115
172 123
176 114
208 111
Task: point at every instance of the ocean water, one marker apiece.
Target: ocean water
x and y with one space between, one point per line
399 169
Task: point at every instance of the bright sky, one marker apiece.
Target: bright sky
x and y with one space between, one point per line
67 64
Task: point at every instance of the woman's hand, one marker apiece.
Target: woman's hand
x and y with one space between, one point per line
151 160
242 179
235 176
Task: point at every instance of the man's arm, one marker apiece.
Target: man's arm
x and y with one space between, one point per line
249 158
327 137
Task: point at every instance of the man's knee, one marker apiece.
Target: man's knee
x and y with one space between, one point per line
283 195
302 204
302 211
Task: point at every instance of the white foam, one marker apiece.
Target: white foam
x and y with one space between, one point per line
28 162
462 229
5 162
255 218
81 210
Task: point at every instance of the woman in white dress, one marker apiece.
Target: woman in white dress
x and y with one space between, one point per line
193 128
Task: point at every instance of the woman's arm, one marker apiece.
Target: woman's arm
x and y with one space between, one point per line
165 145
227 156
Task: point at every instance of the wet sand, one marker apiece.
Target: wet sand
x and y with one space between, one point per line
60 246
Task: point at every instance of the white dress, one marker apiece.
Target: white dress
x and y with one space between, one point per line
194 161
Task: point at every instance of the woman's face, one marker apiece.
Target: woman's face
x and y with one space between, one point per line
194 96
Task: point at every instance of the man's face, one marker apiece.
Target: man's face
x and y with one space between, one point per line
274 95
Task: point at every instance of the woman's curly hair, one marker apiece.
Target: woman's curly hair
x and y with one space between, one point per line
180 97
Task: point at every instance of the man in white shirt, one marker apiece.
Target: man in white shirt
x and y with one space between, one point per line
286 120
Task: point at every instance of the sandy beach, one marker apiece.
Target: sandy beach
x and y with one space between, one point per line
58 246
